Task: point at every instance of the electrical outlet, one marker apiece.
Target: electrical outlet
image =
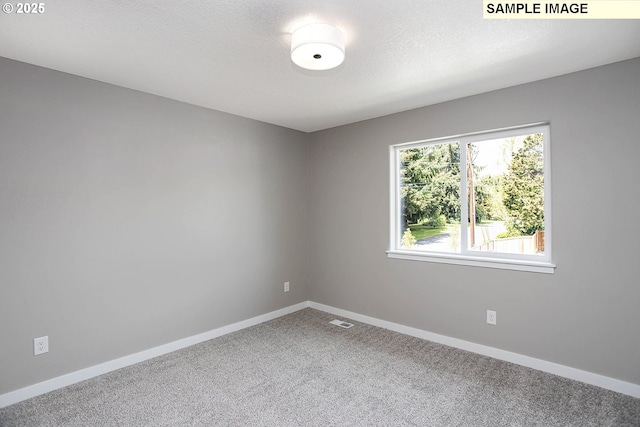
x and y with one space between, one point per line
286 286
491 317
40 345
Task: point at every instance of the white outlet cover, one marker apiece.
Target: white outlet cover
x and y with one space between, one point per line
491 317
40 345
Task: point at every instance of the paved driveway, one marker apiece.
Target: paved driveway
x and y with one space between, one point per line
443 242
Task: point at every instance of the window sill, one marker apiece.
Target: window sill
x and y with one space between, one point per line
500 263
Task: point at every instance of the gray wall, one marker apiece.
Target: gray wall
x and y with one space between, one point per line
587 314
129 221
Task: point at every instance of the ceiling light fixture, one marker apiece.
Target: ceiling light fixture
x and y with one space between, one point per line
317 47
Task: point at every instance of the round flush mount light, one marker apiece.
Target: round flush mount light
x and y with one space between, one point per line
317 47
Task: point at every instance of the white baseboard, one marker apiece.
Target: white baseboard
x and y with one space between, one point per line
93 371
519 359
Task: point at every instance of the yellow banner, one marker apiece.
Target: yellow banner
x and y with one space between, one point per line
591 9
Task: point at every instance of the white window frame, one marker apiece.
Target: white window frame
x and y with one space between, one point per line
523 262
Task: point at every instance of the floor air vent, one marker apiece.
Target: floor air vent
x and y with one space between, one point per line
341 323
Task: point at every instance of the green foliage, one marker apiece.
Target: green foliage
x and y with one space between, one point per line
487 191
483 199
523 188
438 222
508 233
420 231
492 207
430 187
408 241
430 184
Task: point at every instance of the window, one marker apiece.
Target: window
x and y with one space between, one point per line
480 199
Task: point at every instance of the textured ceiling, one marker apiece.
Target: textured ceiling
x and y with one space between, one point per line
233 56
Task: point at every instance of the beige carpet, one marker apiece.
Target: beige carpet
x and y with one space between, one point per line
299 370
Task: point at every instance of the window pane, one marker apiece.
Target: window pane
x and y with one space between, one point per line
430 198
506 179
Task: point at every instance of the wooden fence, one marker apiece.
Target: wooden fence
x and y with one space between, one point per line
522 245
